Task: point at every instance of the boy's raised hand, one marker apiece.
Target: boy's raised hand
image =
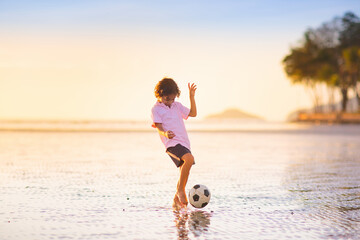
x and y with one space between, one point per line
192 89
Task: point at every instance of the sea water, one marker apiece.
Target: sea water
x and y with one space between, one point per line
301 184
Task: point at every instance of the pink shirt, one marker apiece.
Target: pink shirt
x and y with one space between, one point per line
172 120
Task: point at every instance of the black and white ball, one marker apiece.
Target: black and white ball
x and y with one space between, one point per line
199 196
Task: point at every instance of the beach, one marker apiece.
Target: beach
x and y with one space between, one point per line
266 183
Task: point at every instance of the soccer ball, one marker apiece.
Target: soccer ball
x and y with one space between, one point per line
199 196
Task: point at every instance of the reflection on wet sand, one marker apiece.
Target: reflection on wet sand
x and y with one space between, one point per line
197 222
328 194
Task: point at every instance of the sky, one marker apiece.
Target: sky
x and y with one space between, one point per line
100 60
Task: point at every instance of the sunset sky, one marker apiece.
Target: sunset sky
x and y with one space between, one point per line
101 59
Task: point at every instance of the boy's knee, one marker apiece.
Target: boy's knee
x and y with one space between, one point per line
188 158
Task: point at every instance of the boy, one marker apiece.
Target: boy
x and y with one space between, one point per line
167 116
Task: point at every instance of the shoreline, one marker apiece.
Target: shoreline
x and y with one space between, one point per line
328 118
298 128
303 123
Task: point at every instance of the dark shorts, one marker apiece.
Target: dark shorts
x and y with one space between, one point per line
176 153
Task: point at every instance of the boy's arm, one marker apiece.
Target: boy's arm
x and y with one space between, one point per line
192 89
168 134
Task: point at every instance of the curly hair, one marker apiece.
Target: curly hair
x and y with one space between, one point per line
165 87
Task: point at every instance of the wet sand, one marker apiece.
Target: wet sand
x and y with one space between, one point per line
264 185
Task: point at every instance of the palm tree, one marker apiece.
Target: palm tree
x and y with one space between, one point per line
349 47
351 67
302 66
329 54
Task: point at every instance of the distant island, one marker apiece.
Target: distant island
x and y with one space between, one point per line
233 113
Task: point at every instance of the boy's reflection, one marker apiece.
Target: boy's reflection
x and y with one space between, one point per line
197 222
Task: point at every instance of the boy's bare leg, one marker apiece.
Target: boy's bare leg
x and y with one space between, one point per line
184 175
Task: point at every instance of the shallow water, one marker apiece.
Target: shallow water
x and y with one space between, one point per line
264 185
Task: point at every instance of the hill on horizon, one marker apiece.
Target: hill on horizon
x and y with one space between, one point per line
233 113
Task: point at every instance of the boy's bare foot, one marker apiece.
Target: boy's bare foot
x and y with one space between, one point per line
176 204
182 197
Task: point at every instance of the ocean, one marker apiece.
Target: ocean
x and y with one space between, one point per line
268 181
